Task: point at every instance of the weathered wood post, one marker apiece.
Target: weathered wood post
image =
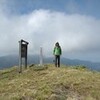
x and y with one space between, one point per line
20 58
23 46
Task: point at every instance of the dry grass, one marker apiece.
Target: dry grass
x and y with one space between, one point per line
49 83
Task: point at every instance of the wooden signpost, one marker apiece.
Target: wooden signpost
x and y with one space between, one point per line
23 48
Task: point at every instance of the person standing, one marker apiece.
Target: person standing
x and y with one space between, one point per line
57 53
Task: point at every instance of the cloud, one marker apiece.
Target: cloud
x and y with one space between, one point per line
77 34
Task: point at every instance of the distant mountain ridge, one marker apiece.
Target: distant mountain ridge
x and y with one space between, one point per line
13 60
76 62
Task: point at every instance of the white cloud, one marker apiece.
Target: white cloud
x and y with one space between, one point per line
77 34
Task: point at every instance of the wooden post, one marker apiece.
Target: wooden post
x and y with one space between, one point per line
20 58
26 62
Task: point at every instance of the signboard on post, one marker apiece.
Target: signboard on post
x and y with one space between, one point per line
23 50
23 46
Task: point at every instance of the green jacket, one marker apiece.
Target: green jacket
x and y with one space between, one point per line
57 50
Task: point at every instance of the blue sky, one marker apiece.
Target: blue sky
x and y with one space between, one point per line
87 7
73 23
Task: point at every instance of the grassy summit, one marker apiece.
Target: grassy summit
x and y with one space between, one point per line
49 83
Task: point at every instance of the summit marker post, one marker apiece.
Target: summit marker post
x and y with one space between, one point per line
41 56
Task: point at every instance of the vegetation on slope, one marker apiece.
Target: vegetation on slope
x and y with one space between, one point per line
49 83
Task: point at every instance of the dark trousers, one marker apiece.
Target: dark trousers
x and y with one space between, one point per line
57 60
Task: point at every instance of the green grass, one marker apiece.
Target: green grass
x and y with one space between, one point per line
49 83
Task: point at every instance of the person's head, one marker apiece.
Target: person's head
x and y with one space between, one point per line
57 44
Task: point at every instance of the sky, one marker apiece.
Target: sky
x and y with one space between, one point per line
75 24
